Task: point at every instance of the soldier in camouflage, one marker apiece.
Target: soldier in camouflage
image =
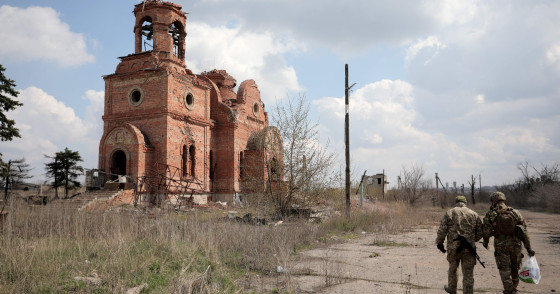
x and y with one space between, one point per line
509 230
459 220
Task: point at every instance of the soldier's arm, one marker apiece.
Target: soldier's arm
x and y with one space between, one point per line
478 229
487 228
521 230
443 229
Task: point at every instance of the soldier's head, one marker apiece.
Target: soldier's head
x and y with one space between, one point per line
497 197
461 198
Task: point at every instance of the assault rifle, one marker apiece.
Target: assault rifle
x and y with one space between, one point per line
466 244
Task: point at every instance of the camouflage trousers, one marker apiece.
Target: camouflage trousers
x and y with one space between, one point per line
467 261
508 260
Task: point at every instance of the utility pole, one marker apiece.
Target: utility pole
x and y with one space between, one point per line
437 192
383 187
347 140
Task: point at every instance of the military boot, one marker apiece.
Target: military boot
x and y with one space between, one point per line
449 290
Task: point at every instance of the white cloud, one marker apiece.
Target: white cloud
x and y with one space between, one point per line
94 110
553 56
431 45
36 33
455 11
346 27
388 131
245 55
47 126
372 137
480 98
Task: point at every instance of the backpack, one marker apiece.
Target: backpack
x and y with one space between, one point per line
505 222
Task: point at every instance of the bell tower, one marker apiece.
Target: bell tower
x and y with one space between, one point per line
160 27
150 97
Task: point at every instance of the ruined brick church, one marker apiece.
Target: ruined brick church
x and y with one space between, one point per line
159 113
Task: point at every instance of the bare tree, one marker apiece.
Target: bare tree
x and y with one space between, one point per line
13 172
548 174
413 184
307 162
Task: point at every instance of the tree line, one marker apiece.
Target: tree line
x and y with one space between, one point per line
63 168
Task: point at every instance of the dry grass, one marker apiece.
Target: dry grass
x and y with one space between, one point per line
43 250
385 218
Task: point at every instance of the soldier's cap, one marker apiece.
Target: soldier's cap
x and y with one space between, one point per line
497 196
461 198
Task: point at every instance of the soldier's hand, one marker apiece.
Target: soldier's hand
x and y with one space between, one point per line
531 252
441 248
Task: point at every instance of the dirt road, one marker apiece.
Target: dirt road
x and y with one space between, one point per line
411 263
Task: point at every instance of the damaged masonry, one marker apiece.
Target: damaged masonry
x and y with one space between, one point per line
178 136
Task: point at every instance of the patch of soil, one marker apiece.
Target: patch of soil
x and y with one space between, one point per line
411 263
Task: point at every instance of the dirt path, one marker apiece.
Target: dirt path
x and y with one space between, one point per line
410 263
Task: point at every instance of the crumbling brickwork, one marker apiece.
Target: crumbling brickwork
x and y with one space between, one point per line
158 111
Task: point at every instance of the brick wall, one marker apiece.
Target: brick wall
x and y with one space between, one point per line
158 111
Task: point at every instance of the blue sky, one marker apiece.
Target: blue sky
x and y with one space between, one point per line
459 86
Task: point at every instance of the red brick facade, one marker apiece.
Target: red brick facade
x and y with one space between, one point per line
158 111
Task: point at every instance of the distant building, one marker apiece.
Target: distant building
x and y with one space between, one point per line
376 185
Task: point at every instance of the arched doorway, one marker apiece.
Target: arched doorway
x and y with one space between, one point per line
118 163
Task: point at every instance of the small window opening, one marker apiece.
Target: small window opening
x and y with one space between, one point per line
379 181
175 33
256 108
147 34
185 161
274 167
189 100
212 167
135 96
192 160
241 163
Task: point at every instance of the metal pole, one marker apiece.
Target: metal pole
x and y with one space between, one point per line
437 190
347 141
362 194
383 187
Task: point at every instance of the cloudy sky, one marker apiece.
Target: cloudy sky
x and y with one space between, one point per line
461 87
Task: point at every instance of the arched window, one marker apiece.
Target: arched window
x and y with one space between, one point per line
274 167
176 32
212 168
147 34
241 165
185 161
192 160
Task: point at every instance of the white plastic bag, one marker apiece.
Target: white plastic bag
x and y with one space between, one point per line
530 272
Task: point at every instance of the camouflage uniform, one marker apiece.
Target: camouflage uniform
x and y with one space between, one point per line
507 247
460 220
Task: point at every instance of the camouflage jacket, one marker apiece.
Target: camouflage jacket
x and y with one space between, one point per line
459 220
489 228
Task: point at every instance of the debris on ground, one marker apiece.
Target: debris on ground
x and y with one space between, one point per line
94 280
